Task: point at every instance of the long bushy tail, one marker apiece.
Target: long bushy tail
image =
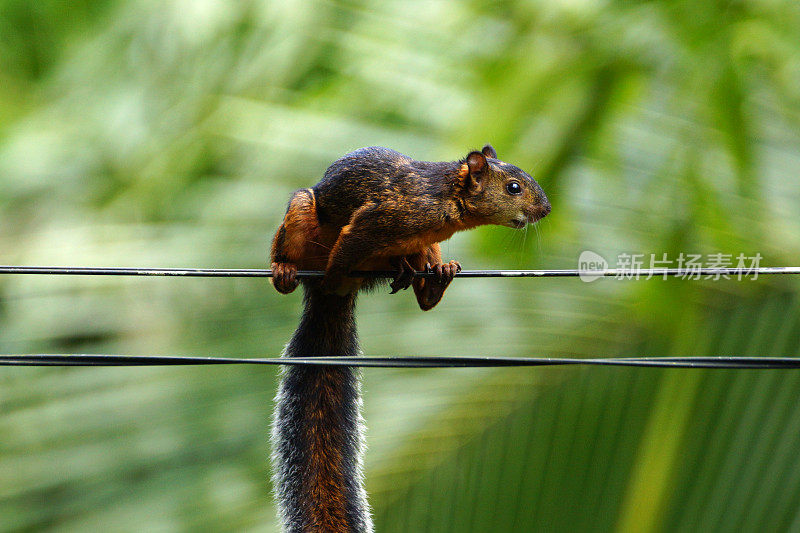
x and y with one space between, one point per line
317 429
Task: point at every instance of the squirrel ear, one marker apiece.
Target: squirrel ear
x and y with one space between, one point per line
476 163
489 151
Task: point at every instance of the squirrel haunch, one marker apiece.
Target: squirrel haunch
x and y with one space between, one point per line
374 209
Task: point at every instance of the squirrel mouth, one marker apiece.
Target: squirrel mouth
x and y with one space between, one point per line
519 223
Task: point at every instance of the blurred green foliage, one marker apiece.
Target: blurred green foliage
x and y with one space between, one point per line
171 134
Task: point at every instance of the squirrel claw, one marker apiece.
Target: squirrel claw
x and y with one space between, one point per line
284 277
444 272
404 276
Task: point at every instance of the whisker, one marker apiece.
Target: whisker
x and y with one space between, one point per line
321 245
521 249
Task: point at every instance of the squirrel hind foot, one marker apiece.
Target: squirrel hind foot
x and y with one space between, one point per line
284 277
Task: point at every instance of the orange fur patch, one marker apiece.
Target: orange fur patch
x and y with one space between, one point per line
303 241
419 243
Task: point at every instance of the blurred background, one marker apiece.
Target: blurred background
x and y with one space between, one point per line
170 134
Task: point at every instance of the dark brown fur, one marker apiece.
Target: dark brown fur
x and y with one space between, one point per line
374 209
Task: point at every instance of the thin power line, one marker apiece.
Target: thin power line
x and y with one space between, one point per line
400 362
265 273
396 361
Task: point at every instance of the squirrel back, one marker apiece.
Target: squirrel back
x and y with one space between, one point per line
377 174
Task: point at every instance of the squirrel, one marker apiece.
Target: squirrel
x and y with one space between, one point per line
374 209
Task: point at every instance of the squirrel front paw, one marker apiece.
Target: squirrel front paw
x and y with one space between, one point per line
444 272
284 277
404 277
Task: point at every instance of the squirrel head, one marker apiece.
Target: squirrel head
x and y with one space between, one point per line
496 192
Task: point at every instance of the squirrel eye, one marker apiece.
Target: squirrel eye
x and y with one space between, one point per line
513 188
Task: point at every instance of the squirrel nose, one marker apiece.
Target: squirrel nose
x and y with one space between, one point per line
541 210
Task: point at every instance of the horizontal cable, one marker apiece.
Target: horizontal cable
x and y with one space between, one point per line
265 273
400 362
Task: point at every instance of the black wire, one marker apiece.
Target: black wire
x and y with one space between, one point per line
396 362
263 273
400 362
